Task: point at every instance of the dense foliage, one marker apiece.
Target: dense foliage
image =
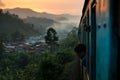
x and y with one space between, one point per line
70 41
34 66
47 66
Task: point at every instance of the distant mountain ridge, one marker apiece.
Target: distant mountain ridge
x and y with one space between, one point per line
26 12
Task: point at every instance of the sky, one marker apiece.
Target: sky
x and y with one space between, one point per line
50 6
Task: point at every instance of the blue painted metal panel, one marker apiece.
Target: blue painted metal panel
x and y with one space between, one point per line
103 54
103 44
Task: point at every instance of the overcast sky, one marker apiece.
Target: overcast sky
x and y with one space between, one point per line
51 6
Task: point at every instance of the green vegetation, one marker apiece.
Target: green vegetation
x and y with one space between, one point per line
70 41
47 66
34 66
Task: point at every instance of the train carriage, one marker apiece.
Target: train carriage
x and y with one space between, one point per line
99 30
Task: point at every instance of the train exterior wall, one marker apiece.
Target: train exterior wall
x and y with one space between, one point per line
102 41
105 41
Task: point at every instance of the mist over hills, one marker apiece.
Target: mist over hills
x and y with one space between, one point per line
62 23
40 24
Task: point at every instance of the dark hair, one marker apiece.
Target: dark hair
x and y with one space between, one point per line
80 48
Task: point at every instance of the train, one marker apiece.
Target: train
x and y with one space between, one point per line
99 30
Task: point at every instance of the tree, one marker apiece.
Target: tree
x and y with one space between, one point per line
51 38
71 40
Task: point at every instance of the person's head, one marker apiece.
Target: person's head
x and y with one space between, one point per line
80 49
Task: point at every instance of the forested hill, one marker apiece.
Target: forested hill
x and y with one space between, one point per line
9 23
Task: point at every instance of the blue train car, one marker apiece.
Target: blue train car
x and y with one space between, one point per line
99 30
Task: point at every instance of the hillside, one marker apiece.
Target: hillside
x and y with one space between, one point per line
11 23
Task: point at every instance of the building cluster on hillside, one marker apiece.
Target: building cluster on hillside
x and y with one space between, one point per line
24 47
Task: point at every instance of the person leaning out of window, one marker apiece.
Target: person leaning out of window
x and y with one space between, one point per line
80 50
